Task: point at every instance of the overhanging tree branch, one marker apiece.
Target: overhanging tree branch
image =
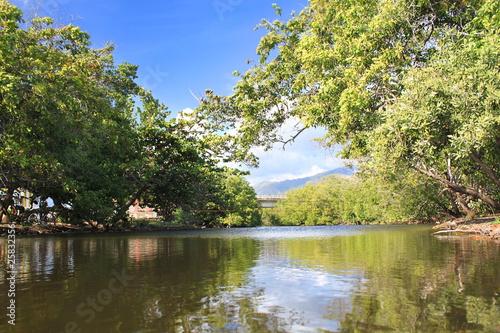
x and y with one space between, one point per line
460 188
485 167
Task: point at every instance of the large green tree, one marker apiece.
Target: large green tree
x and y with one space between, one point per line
358 67
75 127
446 124
241 205
65 113
336 64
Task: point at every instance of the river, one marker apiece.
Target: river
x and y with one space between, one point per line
268 279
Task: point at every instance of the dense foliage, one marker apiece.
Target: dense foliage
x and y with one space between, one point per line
446 123
229 201
240 202
335 65
65 112
409 88
77 129
357 200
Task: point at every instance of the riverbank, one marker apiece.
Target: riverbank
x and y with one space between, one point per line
480 228
61 228
484 228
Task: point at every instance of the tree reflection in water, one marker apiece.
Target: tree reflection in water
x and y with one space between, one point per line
259 280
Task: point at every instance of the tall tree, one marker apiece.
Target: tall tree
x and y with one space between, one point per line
65 115
240 202
446 124
336 64
70 128
363 70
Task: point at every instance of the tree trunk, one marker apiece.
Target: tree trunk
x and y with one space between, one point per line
123 209
464 205
5 203
453 204
1 214
486 168
455 212
461 188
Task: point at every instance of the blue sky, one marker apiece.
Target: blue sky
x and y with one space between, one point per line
184 46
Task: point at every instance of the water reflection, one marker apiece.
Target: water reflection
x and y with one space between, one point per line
255 280
141 249
36 259
303 294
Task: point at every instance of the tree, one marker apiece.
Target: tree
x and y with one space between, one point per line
241 203
336 64
446 124
176 170
352 67
72 128
65 116
364 198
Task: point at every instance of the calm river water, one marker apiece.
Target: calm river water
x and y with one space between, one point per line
271 279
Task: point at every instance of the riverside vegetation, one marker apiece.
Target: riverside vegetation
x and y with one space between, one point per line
409 88
76 128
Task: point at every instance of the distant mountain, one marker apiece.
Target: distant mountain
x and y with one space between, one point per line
283 186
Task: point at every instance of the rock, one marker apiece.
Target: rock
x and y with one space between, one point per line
495 233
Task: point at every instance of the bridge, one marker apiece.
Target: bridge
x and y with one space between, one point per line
269 200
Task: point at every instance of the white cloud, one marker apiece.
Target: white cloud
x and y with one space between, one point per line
313 171
185 114
302 158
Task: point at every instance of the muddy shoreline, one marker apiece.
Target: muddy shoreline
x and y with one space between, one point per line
63 228
478 228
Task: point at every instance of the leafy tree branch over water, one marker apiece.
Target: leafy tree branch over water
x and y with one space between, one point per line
406 87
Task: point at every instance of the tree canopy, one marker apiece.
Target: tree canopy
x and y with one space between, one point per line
76 128
404 86
335 64
364 199
446 123
65 112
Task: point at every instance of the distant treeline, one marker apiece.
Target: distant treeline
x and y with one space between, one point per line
359 200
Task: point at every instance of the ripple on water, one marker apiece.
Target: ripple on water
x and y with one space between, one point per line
283 232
